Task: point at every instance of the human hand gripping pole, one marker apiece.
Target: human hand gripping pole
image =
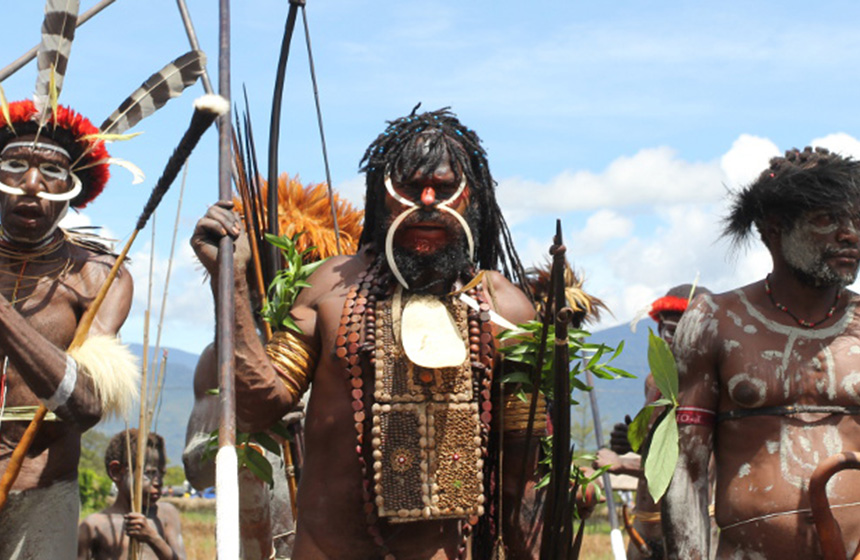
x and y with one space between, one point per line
206 109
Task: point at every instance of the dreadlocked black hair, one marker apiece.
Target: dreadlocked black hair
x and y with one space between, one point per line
800 181
395 152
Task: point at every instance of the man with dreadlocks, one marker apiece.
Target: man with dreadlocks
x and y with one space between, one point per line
48 279
768 372
398 341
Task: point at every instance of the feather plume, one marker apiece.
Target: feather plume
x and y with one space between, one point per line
4 108
110 137
157 90
58 31
113 370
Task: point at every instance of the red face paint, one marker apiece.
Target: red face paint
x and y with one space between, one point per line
428 196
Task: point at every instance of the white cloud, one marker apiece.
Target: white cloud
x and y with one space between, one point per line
600 228
652 176
746 159
840 143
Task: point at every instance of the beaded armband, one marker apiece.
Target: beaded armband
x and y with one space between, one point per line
294 361
516 413
691 415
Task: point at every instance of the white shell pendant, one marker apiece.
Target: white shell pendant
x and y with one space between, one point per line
429 335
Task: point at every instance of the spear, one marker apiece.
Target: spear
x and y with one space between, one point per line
206 108
616 538
226 460
558 529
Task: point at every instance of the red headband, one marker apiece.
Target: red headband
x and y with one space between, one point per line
93 175
667 303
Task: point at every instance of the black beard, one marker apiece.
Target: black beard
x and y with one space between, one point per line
437 272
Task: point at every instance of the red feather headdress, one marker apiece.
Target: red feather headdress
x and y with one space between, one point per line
69 129
667 303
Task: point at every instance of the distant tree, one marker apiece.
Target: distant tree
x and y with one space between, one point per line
93 446
175 476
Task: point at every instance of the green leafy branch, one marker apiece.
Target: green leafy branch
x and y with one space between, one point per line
663 450
523 346
288 282
248 450
524 350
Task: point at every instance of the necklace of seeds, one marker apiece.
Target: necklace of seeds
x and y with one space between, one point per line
798 320
359 310
16 257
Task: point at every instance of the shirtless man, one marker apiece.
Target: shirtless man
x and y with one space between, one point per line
396 431
768 372
47 280
667 312
103 535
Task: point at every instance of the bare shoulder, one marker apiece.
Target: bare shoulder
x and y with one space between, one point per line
90 269
168 512
335 274
508 300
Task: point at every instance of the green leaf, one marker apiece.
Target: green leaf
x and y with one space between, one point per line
637 431
660 402
543 482
517 377
259 465
280 429
662 456
662 364
288 322
266 441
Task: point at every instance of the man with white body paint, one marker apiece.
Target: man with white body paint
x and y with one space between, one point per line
770 372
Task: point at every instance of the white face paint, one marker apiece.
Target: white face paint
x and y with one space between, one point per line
805 250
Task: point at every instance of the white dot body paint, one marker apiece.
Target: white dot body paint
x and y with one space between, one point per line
851 385
762 362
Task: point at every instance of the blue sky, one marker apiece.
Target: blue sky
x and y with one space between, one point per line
629 120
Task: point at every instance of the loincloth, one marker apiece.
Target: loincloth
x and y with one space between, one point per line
41 523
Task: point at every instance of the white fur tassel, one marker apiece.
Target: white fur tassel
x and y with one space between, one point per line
114 370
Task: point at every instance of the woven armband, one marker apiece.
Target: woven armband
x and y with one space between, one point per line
691 415
294 361
516 413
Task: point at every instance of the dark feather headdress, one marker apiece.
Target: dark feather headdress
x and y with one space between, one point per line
796 183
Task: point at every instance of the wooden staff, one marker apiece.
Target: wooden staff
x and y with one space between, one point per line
226 461
205 111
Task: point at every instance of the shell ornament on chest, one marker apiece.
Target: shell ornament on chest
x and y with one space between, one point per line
427 414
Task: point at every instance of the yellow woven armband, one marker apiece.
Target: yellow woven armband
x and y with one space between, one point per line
293 360
516 414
